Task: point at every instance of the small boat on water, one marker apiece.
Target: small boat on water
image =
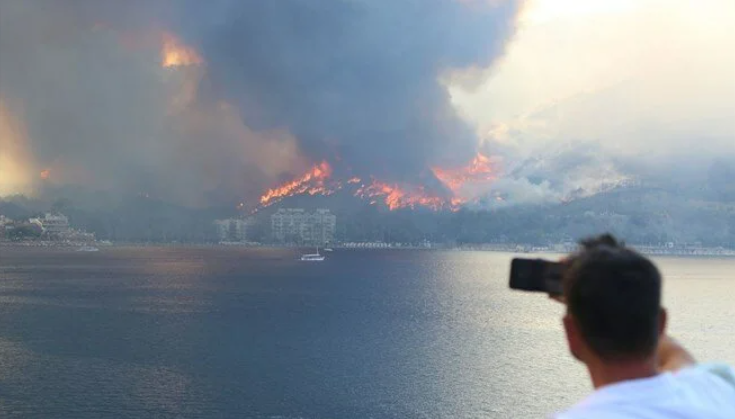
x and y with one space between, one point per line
312 257
88 249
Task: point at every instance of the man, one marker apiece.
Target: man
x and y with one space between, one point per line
616 326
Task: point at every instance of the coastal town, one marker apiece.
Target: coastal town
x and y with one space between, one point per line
297 227
49 229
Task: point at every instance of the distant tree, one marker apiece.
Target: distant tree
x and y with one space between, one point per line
25 232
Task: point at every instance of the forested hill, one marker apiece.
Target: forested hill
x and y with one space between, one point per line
640 214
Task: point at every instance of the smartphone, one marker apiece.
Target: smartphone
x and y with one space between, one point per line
536 275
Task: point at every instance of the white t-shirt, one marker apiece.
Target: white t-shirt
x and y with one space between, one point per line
700 392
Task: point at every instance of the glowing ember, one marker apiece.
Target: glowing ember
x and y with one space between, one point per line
45 174
313 183
174 53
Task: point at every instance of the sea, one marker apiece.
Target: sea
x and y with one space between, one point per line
230 332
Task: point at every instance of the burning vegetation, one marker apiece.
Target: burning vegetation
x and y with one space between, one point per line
480 170
313 182
319 180
395 197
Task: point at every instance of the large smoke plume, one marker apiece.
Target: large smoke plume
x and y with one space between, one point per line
597 93
281 84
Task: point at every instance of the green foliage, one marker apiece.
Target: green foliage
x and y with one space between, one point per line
24 232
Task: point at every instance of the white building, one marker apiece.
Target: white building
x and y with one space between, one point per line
295 225
233 229
54 226
286 224
319 227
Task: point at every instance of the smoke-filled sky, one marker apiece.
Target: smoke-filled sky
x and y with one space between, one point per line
276 86
569 95
622 85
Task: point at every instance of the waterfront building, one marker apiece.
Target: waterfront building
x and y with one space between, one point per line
296 226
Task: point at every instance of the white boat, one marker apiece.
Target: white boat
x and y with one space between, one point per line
312 257
88 249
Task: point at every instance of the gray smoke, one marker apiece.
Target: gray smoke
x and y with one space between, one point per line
356 82
358 77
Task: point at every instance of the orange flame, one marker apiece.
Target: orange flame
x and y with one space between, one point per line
396 197
317 181
313 183
16 173
478 170
174 53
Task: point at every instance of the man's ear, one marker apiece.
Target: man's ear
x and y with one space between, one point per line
663 319
573 337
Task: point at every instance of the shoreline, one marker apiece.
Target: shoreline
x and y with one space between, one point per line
499 248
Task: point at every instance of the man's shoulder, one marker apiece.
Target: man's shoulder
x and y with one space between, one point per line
590 408
708 389
588 413
604 403
719 372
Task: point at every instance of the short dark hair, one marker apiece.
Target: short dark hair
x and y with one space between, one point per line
614 294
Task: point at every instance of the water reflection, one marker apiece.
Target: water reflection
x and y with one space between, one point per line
255 333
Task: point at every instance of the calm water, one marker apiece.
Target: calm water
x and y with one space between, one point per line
220 333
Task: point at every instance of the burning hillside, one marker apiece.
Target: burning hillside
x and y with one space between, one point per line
320 180
479 170
201 102
315 181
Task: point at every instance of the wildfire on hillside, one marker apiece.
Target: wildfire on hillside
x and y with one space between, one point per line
318 181
396 197
478 170
312 182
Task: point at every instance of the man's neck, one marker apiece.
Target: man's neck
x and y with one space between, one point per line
603 373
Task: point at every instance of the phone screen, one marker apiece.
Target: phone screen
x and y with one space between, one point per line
536 275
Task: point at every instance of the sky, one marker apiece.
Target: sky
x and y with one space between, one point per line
569 97
620 89
277 86
637 76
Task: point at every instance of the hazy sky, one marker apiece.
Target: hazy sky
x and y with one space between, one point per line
634 75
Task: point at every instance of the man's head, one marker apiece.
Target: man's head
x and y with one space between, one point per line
613 297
